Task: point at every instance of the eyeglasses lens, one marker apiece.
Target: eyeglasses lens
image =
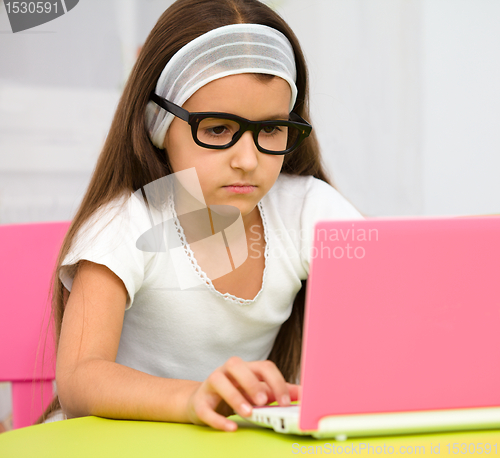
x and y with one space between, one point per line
272 137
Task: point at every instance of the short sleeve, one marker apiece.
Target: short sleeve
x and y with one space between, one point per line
321 202
109 238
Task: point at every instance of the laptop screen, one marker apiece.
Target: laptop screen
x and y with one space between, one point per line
402 315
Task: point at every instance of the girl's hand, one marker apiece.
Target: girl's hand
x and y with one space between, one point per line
234 388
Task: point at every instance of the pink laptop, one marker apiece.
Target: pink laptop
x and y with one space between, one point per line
402 329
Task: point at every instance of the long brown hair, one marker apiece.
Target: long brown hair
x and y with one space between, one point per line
129 161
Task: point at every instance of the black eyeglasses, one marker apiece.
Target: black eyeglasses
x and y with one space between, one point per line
223 130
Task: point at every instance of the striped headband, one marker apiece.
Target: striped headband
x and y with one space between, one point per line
228 50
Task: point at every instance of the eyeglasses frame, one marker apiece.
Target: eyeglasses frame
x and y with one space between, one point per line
194 119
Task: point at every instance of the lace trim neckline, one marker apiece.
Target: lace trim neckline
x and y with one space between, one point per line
202 275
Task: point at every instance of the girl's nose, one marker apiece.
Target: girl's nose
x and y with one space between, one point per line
244 153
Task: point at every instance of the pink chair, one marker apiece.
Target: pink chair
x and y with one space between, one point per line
28 254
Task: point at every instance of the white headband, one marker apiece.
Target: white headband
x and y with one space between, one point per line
228 50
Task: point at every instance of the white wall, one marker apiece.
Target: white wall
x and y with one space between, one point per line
461 109
405 101
364 63
59 86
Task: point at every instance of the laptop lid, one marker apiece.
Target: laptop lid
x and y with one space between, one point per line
401 315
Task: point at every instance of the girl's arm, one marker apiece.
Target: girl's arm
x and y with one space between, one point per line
90 382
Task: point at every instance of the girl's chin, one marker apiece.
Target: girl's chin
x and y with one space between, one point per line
242 202
245 210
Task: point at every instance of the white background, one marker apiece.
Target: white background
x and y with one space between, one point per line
405 100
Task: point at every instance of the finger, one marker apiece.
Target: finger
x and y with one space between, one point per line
209 417
220 383
242 376
267 391
295 392
269 373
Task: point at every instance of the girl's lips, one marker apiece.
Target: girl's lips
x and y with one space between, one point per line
238 189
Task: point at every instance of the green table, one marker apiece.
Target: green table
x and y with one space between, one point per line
93 437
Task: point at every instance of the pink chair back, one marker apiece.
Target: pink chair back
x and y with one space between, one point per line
28 255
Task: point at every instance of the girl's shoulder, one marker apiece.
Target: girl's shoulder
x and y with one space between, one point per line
118 222
127 207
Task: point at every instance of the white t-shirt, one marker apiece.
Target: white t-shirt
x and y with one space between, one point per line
188 333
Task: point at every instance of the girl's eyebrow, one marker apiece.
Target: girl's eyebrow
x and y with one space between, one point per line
279 116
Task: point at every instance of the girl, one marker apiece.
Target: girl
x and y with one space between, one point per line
140 336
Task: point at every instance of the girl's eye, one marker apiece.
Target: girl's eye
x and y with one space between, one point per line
271 130
217 130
